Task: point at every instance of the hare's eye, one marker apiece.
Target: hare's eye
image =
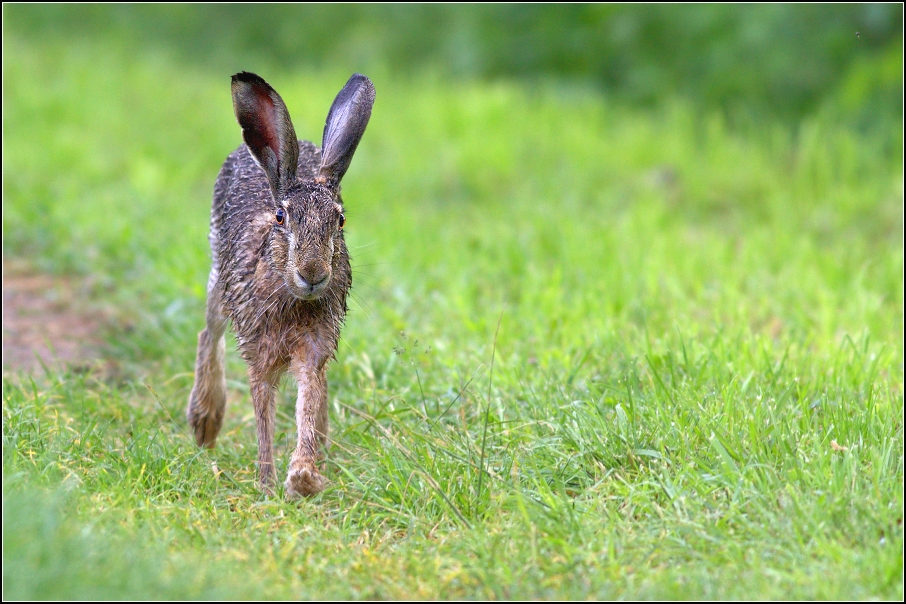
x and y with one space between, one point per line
281 216
342 221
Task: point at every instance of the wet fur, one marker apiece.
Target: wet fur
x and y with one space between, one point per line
254 260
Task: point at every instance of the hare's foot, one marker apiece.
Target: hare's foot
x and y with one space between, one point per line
205 414
303 482
267 481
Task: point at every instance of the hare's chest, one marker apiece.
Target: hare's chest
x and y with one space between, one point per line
293 333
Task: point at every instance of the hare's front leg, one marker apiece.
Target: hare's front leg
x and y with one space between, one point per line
208 398
264 386
311 423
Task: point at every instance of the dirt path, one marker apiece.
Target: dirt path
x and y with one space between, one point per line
45 318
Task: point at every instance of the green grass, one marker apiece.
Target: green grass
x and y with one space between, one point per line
593 351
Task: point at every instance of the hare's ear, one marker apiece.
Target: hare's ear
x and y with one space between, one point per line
345 126
266 129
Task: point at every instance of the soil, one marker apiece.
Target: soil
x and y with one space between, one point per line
47 320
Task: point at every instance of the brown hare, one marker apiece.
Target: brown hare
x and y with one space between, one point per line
280 270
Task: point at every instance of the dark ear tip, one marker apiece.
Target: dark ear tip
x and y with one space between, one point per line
360 83
248 77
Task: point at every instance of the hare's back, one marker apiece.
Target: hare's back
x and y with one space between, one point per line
309 160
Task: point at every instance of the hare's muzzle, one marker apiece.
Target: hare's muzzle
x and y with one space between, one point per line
310 282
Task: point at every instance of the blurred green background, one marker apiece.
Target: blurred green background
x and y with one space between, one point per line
785 60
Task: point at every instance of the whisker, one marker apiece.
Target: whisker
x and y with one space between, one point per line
355 300
265 309
364 245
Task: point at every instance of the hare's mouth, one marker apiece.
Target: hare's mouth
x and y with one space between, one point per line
309 286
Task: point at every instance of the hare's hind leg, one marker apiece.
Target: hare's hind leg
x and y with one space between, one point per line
208 398
311 425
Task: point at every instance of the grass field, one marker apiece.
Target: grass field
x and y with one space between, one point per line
593 351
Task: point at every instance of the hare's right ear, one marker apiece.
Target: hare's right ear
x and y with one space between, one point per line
345 126
267 130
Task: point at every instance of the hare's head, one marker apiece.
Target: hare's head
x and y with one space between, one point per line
307 218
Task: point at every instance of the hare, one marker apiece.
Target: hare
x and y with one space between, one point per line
280 270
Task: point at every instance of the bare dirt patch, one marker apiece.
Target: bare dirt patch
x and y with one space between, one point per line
48 319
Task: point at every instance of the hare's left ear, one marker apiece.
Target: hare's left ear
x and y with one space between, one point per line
345 126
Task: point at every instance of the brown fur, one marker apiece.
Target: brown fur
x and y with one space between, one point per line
284 286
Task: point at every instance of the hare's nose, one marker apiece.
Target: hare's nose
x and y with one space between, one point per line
313 279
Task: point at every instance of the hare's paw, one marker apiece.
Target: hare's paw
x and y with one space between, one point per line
266 483
304 482
205 417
